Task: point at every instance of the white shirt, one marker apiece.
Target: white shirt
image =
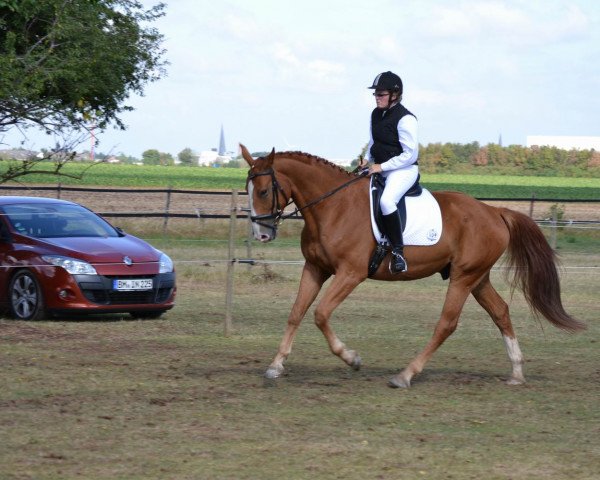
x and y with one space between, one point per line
407 134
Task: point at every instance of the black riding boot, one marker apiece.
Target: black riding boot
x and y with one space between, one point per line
393 230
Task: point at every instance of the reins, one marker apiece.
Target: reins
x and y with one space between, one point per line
325 195
277 212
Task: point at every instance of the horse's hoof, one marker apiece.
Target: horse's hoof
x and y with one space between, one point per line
515 381
273 372
397 381
356 363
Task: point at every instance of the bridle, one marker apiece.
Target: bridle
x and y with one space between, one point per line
277 215
276 209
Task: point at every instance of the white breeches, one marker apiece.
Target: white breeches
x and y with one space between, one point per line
397 183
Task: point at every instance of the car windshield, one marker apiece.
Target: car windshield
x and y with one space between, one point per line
56 220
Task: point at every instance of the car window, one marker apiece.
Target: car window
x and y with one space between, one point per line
56 220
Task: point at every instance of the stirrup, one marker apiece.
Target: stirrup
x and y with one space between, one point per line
397 263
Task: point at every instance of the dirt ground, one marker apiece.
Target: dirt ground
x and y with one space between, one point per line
172 398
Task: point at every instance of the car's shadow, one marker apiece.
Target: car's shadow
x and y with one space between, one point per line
105 317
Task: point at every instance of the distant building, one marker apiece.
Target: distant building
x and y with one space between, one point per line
222 149
208 157
18 154
342 162
564 142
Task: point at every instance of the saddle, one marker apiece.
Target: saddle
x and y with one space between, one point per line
422 227
377 186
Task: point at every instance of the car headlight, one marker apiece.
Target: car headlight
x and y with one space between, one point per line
71 265
165 264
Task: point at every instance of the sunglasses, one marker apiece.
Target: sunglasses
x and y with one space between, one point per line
379 94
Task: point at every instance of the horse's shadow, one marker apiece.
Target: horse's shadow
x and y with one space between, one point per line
327 376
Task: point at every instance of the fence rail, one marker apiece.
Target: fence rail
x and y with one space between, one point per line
59 188
169 208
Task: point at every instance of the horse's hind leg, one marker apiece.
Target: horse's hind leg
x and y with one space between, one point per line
457 293
310 284
492 302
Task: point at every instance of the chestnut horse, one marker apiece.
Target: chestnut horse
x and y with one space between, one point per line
337 240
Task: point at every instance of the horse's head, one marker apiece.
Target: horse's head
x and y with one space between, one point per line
267 196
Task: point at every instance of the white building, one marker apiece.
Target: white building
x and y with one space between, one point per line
564 142
342 162
208 157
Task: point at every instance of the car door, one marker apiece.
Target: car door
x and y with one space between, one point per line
6 247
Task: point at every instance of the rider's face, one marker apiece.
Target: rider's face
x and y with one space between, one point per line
383 98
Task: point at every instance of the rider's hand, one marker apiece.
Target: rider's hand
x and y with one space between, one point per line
375 168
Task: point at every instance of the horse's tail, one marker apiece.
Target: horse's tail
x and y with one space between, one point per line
534 264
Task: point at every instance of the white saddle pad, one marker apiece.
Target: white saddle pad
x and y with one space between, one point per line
423 221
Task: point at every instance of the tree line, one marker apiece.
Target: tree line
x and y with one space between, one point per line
509 160
473 158
443 158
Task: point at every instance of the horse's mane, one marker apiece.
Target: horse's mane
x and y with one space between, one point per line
314 158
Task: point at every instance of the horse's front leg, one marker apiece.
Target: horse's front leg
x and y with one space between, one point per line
341 286
310 284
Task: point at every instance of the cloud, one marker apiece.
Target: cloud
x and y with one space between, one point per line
305 72
456 101
523 25
243 28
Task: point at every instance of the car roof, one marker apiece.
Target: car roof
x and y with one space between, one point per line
12 200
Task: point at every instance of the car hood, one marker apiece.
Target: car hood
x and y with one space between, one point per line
106 250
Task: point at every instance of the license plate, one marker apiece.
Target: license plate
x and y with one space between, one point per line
133 284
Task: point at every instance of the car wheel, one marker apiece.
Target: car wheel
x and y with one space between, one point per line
150 314
25 297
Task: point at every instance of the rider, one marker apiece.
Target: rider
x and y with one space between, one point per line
394 149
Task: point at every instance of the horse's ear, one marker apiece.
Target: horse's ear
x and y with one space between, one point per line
246 155
270 157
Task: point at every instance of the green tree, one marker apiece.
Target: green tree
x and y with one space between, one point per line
127 158
166 159
186 157
66 66
151 157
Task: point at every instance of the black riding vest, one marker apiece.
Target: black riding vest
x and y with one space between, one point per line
384 130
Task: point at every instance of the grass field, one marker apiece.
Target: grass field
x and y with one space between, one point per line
481 186
113 398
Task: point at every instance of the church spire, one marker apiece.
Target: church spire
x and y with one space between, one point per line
222 148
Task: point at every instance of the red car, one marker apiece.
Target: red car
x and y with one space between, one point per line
59 257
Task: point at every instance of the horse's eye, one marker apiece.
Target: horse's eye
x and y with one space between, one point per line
263 193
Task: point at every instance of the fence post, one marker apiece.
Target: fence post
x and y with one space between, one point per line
167 207
250 234
228 327
58 187
531 205
199 212
553 228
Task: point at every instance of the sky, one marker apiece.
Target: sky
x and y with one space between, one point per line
293 75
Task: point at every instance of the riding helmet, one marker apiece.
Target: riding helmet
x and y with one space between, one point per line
387 81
